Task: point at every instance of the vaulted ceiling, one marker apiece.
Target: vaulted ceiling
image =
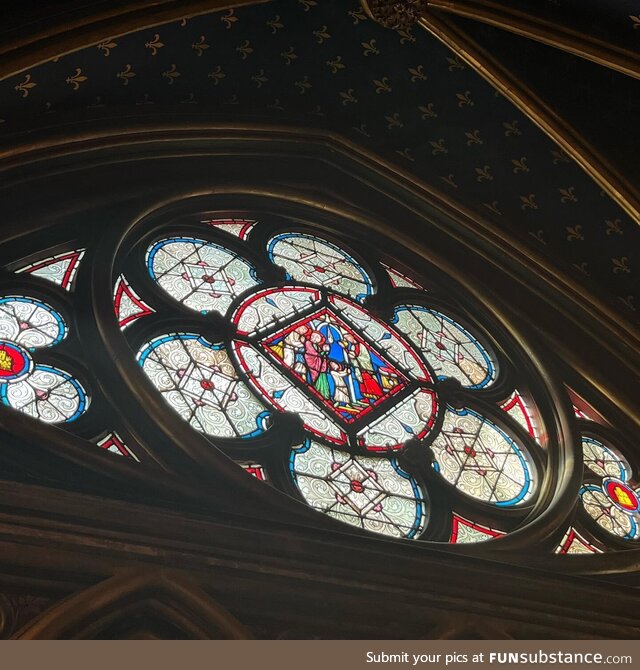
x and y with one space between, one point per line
400 94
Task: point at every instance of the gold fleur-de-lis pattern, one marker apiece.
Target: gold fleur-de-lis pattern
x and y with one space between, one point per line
200 46
76 79
321 35
154 44
126 75
400 94
25 86
382 85
336 64
289 55
275 24
107 46
369 48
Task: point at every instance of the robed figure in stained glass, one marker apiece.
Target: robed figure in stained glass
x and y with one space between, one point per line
346 372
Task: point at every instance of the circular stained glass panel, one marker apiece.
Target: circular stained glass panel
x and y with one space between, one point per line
451 350
197 379
604 508
201 275
603 460
371 493
48 394
30 323
482 460
312 260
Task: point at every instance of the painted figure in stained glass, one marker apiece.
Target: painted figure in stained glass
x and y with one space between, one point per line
336 363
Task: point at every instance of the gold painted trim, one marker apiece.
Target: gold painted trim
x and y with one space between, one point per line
68 34
588 158
546 32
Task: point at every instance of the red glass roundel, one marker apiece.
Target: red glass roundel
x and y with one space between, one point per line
621 495
15 362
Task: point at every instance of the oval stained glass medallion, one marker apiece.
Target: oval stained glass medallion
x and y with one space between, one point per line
310 259
451 349
201 275
482 460
199 382
374 494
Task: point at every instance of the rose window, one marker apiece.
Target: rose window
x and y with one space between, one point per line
346 383
330 370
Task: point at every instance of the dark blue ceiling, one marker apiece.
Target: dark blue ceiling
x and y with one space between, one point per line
403 95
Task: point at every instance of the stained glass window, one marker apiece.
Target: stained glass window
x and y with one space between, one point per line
398 280
374 494
284 395
113 443
387 339
42 391
574 543
128 305
335 366
351 378
30 323
60 269
271 306
315 261
603 460
284 321
614 506
201 275
358 377
238 227
198 381
464 531
451 349
482 460
254 469
366 383
411 418
517 407
609 496
46 393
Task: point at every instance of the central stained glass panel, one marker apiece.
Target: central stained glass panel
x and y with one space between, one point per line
335 363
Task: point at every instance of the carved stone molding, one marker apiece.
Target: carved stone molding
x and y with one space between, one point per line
395 15
16 610
144 604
